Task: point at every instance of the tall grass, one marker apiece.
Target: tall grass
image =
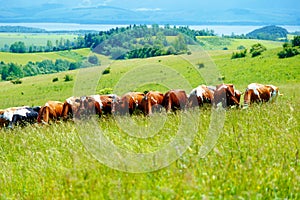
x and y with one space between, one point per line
257 156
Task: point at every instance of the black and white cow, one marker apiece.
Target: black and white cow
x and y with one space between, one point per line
20 115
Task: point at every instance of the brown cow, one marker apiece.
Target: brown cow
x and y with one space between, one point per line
70 108
175 100
256 92
129 102
52 110
152 101
200 95
226 96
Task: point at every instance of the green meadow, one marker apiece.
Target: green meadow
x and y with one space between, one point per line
24 58
38 39
256 155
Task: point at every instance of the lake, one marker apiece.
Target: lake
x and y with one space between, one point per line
218 29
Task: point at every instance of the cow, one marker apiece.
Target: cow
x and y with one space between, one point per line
52 110
128 103
70 108
89 105
258 93
200 95
3 121
24 116
225 95
175 100
107 102
19 115
152 101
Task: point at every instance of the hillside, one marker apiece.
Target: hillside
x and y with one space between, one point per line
267 68
248 153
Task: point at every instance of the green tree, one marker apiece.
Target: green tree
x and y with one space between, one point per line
49 46
180 44
18 47
296 41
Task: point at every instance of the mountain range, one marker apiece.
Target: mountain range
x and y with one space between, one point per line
105 13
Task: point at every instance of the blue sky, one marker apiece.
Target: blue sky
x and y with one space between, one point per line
166 4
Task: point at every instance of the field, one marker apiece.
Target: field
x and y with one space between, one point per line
256 155
38 39
24 58
218 43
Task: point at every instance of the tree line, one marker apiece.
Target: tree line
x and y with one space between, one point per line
12 71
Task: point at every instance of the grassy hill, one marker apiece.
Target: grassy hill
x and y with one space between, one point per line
267 68
255 156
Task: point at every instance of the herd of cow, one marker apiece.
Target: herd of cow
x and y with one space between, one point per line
223 95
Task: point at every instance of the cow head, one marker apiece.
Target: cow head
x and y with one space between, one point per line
226 96
88 106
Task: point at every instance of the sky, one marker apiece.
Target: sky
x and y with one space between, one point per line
164 4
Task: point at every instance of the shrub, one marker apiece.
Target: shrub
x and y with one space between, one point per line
240 54
17 81
93 59
68 78
257 49
106 71
105 91
241 47
288 52
55 79
200 65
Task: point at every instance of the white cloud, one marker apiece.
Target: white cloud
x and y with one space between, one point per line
104 3
147 9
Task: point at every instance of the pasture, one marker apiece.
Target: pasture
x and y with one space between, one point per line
38 39
24 58
256 155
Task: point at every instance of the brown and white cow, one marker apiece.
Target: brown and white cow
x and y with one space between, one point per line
257 93
225 95
106 103
3 121
152 101
175 100
128 103
70 108
52 110
200 95
23 115
89 105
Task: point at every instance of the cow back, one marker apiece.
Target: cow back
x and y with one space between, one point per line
175 100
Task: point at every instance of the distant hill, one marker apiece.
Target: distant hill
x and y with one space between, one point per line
21 29
59 13
269 33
